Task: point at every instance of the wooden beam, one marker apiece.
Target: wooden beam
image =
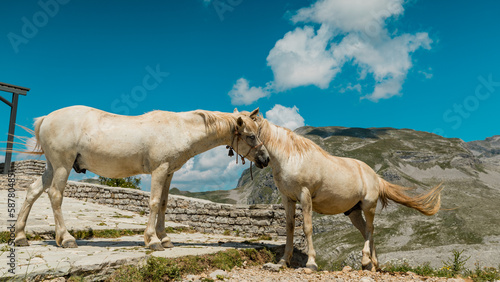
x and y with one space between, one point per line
13 88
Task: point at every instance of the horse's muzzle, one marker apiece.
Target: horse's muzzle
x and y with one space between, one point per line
262 162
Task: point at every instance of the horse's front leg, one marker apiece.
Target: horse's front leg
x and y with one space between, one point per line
158 178
160 222
306 202
290 227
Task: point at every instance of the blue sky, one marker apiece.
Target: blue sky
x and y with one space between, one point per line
426 65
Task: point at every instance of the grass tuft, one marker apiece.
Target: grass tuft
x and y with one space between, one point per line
453 267
170 269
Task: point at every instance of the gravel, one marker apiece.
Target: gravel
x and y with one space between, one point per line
257 273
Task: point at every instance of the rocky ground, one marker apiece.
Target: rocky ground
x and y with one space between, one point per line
260 273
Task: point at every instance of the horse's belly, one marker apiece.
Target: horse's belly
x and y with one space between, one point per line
334 204
112 167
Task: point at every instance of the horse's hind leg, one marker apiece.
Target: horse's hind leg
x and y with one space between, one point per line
34 192
158 178
359 222
63 238
369 260
160 221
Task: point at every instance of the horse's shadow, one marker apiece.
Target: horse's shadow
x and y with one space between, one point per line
133 243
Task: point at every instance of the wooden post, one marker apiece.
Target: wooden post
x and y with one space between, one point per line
10 137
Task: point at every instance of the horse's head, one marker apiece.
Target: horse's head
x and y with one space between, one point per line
245 139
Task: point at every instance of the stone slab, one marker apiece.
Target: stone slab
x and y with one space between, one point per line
95 258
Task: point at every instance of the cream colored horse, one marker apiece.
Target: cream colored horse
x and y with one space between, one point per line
156 143
326 184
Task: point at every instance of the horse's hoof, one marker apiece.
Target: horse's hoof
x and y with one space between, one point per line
69 244
312 266
283 263
369 267
167 244
23 242
156 247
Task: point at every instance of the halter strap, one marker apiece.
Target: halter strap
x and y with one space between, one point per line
238 135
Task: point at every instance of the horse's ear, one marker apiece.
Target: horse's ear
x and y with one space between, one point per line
235 111
240 122
254 113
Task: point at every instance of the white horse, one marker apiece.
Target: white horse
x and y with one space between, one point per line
326 184
115 146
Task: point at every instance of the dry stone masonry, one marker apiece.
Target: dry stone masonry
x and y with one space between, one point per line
26 173
201 215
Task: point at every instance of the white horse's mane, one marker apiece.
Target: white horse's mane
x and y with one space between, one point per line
218 122
285 140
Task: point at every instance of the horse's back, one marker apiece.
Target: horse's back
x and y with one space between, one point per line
96 139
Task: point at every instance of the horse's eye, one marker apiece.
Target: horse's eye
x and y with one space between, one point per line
252 137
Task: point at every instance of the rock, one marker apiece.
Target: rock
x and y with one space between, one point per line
366 279
218 273
191 277
58 279
304 270
346 269
272 267
307 271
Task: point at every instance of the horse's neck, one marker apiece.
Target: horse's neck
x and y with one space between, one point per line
274 137
204 139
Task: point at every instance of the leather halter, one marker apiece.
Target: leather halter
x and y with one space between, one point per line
238 137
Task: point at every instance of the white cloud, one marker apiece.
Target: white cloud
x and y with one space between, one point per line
286 117
350 15
387 59
243 94
339 32
2 159
427 73
145 181
301 58
350 87
212 170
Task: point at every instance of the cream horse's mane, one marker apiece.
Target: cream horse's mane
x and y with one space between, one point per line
284 140
217 122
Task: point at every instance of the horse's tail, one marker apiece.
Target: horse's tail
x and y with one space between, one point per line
427 203
38 147
27 142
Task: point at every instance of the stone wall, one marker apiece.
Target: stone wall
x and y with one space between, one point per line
26 172
201 215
